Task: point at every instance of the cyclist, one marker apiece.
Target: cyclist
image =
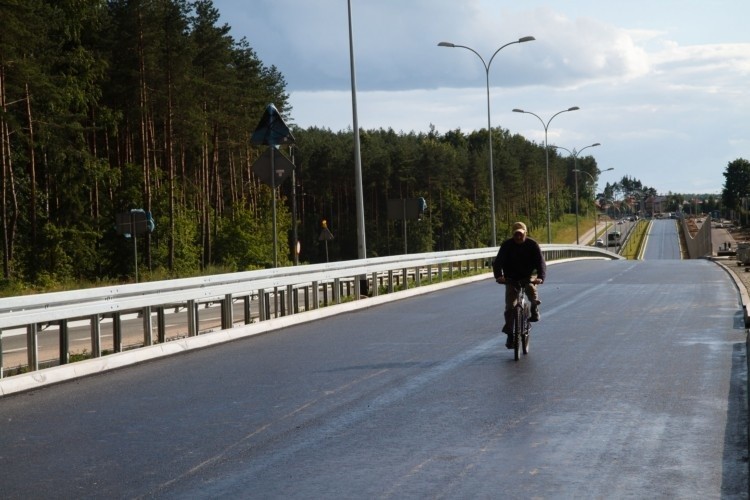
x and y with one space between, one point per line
517 259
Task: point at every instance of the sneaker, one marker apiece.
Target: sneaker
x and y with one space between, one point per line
509 342
534 315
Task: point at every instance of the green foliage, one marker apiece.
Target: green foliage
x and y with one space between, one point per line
736 184
245 241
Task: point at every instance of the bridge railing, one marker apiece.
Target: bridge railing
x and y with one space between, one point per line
263 294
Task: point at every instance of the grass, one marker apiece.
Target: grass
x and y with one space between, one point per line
635 240
564 230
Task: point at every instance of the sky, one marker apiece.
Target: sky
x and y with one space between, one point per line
662 85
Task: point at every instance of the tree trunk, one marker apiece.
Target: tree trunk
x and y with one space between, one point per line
4 168
32 173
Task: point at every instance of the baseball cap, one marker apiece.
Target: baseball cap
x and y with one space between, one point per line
519 227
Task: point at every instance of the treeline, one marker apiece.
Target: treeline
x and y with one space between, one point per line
108 106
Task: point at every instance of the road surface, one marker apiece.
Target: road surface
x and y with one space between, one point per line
663 240
635 387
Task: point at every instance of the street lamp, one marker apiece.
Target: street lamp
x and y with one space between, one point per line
359 192
575 154
593 182
489 126
546 156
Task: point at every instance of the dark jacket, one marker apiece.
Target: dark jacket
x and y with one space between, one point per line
518 262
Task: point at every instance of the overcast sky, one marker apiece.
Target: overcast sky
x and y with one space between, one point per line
662 84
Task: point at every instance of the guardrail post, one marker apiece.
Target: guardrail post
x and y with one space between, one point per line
192 319
290 299
316 294
336 291
96 336
32 347
161 324
117 332
148 325
64 342
405 274
246 309
262 305
227 314
280 297
418 276
2 366
375 284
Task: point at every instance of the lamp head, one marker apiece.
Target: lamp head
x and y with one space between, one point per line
518 111
595 144
526 39
574 108
446 44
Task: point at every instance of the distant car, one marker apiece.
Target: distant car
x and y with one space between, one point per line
599 242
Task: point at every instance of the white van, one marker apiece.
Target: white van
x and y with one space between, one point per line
613 238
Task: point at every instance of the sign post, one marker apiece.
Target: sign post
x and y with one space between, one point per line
325 235
272 131
406 209
135 222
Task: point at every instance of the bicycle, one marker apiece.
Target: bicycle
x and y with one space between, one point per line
521 312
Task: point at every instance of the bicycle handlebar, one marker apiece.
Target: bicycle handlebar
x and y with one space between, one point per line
515 282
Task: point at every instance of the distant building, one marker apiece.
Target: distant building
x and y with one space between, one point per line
655 204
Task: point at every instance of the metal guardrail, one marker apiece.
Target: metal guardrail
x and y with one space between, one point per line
290 289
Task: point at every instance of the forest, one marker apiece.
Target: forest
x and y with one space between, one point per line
119 105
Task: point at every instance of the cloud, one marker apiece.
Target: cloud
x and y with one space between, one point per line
662 85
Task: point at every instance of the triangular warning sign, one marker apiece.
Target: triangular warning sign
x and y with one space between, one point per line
271 130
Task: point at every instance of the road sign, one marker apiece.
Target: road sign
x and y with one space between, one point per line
137 221
271 130
131 224
272 171
405 208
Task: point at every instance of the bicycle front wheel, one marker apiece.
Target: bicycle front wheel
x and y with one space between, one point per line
517 332
525 337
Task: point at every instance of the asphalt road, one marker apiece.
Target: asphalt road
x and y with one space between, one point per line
635 387
663 240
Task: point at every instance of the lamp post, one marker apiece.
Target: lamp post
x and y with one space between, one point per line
546 156
593 182
489 126
359 193
575 154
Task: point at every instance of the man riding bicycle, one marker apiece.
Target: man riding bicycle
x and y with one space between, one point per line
517 259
